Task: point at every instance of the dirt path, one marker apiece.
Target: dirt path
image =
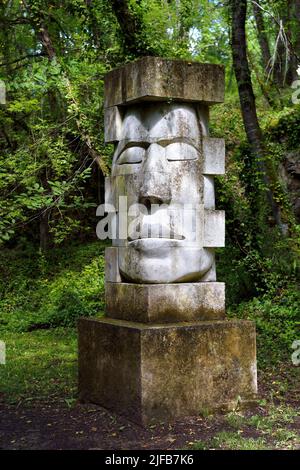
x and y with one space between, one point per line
91 427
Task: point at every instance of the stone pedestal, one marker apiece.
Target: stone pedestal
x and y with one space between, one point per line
165 303
155 372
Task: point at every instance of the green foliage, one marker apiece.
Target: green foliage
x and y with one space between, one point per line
188 29
257 258
259 266
277 319
51 140
50 134
284 126
39 291
229 440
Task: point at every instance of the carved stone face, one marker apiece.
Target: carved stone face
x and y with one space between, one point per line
158 164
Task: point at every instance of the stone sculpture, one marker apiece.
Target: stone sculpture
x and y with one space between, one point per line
165 348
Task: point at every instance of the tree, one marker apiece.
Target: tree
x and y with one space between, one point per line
50 139
262 37
247 98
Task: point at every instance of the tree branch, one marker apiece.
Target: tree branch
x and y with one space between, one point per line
14 22
40 54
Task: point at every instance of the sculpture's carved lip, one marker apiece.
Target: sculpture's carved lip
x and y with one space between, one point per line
173 236
149 244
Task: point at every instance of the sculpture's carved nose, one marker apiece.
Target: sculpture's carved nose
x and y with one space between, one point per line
155 187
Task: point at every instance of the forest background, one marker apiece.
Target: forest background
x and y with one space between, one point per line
53 161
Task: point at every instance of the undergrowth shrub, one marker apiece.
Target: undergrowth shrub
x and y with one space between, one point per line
277 320
39 291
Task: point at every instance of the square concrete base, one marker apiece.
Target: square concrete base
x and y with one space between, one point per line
161 372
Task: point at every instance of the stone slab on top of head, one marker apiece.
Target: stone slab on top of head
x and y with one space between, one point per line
158 79
156 114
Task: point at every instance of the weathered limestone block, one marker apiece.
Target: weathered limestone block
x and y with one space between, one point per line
112 124
112 273
154 78
211 275
214 156
214 228
156 114
165 303
208 192
155 372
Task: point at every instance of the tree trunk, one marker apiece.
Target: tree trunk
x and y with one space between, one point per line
47 43
247 98
262 37
132 29
44 232
285 62
262 83
292 65
296 16
295 36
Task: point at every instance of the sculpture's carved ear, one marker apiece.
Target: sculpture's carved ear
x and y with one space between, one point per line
113 120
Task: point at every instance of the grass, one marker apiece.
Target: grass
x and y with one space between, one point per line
40 365
41 298
271 429
233 441
279 414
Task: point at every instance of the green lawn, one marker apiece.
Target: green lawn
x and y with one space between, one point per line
40 365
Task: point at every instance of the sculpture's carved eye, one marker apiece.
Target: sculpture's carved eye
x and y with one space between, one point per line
181 151
131 155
